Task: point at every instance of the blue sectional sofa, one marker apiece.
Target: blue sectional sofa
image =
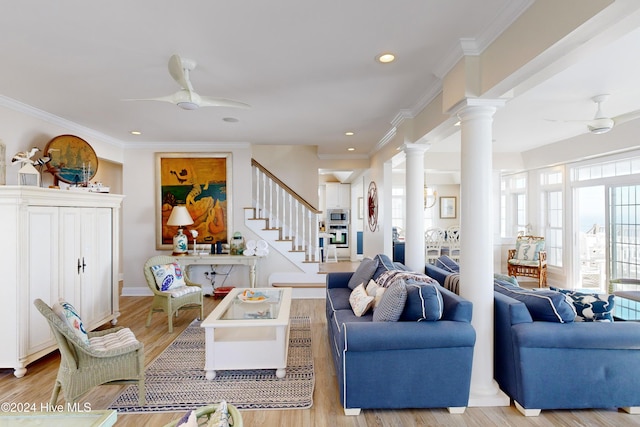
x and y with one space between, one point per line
563 363
400 364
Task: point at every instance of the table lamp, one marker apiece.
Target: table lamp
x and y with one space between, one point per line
180 217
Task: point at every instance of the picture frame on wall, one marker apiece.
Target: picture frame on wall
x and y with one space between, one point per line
202 183
447 207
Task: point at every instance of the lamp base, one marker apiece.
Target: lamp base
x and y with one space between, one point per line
178 253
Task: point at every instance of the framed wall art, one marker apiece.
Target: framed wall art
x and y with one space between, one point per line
447 207
202 183
72 160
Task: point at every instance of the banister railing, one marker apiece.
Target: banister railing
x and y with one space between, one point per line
285 209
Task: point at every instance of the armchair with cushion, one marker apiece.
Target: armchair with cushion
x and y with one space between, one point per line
172 289
529 259
89 359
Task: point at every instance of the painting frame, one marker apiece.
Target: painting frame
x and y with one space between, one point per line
448 209
202 182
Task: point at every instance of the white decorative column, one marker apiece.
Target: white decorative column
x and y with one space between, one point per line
414 184
476 242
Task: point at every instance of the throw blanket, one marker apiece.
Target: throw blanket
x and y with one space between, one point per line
452 282
389 277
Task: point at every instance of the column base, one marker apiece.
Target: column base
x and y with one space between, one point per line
489 397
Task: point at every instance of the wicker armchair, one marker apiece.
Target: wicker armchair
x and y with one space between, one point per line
170 302
204 413
83 367
529 259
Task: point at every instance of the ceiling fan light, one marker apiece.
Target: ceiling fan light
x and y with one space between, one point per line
188 105
600 126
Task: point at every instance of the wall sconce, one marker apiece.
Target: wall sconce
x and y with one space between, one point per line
179 218
430 197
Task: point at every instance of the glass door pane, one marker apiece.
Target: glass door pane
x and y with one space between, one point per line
590 208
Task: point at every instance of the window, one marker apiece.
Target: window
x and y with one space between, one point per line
553 226
552 212
513 205
624 202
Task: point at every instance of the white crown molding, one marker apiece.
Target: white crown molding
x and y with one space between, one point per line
23 108
475 46
228 146
343 157
384 140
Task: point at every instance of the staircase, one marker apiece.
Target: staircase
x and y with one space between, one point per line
290 225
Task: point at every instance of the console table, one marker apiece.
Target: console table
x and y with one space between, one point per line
222 259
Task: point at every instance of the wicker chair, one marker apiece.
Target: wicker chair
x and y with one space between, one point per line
170 302
204 413
83 367
529 259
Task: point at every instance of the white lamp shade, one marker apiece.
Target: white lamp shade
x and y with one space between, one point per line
179 217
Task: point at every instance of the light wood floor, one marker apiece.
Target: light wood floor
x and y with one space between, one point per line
35 387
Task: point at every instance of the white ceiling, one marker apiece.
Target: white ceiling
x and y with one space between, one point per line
307 69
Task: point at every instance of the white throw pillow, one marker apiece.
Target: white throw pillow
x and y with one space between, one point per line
360 301
374 290
69 315
168 276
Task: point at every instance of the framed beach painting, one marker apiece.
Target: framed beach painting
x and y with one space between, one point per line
201 182
447 207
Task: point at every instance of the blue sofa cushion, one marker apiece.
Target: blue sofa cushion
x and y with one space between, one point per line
391 303
590 307
448 264
363 273
545 305
384 264
424 302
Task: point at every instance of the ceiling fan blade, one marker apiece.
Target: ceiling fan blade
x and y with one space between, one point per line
179 71
209 101
627 117
169 98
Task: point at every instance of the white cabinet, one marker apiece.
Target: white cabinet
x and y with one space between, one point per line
337 196
56 244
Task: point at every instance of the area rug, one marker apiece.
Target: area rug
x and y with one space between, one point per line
175 381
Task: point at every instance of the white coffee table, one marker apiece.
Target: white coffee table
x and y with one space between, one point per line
248 335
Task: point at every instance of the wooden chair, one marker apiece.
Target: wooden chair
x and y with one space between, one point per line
433 240
107 359
175 299
529 259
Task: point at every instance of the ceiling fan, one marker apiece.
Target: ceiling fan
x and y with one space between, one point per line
602 124
186 98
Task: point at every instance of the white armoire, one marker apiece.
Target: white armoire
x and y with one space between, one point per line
54 244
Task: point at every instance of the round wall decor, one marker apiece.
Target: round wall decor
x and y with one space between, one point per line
372 204
72 160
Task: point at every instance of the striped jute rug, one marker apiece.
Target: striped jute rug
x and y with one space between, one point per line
175 381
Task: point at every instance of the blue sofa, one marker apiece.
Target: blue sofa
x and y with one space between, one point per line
401 364
553 365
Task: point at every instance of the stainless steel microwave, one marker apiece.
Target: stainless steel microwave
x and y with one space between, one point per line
338 216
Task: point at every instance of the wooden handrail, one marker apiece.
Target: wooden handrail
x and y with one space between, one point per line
286 187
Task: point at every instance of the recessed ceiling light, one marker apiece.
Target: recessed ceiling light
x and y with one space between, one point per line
230 120
351 149
385 58
349 133
135 132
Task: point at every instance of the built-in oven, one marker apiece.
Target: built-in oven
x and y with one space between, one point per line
339 235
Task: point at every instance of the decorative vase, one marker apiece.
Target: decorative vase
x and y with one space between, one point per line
180 243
